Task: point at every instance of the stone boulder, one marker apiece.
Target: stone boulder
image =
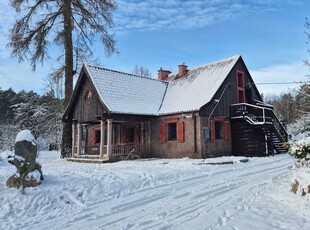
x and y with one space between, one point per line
25 152
29 173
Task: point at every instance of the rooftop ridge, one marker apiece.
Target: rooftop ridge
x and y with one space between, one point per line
112 70
217 62
124 73
235 57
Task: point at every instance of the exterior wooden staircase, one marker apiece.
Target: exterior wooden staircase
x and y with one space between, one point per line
256 130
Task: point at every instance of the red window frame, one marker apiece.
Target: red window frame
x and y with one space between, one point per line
240 86
162 133
163 128
93 136
180 132
226 128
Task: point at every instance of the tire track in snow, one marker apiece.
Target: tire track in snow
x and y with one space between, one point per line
248 197
202 194
230 188
120 194
218 194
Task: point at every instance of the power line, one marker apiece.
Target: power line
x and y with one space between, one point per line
280 83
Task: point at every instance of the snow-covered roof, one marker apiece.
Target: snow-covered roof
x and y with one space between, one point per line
191 92
131 94
127 93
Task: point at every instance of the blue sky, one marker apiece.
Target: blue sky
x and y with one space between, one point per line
268 34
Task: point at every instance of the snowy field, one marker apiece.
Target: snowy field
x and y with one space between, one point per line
155 194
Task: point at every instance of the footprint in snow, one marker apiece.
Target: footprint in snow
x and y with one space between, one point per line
223 219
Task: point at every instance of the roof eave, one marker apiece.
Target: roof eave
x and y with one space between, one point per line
69 105
102 102
68 108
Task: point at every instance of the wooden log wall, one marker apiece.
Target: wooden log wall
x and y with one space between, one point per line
247 140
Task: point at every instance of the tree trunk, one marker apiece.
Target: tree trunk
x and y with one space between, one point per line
67 127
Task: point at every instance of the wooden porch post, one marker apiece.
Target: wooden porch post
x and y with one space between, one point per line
149 127
109 138
149 138
102 137
79 139
142 132
266 140
73 138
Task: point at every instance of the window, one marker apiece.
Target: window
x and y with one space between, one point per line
172 131
240 79
219 130
95 136
97 133
240 87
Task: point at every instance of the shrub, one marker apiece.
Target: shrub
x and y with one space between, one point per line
301 151
300 172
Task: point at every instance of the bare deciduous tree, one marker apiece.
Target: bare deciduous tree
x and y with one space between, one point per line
303 96
307 32
141 71
72 25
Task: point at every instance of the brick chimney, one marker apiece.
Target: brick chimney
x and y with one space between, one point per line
182 70
163 74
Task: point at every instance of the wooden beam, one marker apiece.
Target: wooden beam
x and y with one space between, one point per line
149 132
102 137
73 138
109 138
79 139
142 132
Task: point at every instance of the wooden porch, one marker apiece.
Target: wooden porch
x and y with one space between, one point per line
118 150
107 141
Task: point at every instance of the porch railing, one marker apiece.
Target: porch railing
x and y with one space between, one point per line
142 150
93 150
252 113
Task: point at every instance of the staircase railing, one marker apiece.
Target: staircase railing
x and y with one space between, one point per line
280 128
258 115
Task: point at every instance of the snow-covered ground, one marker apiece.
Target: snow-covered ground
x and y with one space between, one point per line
155 194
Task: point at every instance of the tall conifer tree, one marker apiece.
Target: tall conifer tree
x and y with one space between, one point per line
72 25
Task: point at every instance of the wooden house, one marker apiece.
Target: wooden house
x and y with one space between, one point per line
209 111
